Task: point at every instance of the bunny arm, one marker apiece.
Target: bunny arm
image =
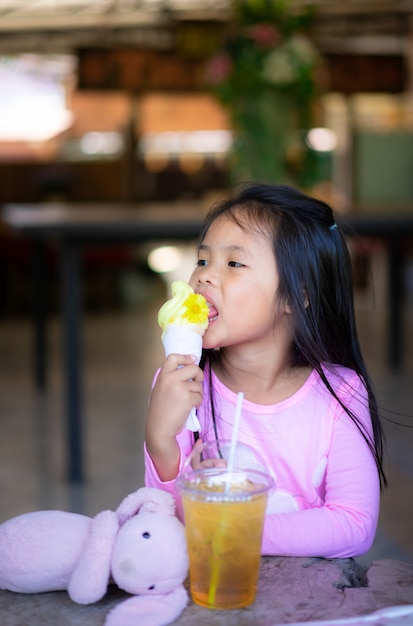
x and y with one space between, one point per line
90 578
149 610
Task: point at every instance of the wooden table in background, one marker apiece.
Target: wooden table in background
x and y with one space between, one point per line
74 227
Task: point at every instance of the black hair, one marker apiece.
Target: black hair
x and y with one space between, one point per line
315 274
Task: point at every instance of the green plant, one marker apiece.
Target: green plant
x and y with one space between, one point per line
264 74
265 47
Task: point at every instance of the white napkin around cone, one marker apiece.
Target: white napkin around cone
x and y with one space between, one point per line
182 340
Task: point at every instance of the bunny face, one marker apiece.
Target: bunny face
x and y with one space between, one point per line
150 555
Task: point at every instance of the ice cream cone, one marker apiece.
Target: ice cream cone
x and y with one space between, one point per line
183 320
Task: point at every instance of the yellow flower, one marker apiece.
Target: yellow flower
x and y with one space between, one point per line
196 309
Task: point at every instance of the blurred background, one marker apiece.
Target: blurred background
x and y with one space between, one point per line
129 104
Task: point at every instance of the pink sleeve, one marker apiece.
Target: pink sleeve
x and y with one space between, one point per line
152 477
346 523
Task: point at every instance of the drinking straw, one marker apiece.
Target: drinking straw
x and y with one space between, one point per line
230 466
234 438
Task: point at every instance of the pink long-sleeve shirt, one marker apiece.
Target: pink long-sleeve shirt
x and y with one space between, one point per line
326 497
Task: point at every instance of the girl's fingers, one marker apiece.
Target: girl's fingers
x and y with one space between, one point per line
198 463
183 367
176 361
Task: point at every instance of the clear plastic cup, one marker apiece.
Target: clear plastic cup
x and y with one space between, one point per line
224 518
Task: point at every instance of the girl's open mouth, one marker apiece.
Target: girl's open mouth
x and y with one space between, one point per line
213 314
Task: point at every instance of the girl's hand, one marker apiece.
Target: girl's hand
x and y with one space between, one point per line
177 390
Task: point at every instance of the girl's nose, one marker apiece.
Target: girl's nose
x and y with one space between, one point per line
205 275
202 280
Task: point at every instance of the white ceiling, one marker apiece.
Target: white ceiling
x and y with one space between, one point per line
62 25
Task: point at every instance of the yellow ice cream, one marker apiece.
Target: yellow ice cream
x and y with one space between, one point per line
185 308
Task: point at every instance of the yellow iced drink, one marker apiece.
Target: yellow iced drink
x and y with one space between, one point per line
224 531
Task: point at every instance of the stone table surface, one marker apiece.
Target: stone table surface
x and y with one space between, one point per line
290 590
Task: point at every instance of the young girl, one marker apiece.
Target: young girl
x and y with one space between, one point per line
276 273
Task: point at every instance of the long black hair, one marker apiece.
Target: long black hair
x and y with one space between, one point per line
315 274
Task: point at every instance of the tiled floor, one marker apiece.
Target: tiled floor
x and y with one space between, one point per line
121 352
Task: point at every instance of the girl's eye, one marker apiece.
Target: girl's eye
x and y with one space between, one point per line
235 264
201 263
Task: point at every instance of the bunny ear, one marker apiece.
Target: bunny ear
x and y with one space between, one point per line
149 610
90 578
145 499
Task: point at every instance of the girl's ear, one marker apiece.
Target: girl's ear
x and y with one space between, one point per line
305 296
287 307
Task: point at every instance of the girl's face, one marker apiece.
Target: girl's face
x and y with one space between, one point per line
236 272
